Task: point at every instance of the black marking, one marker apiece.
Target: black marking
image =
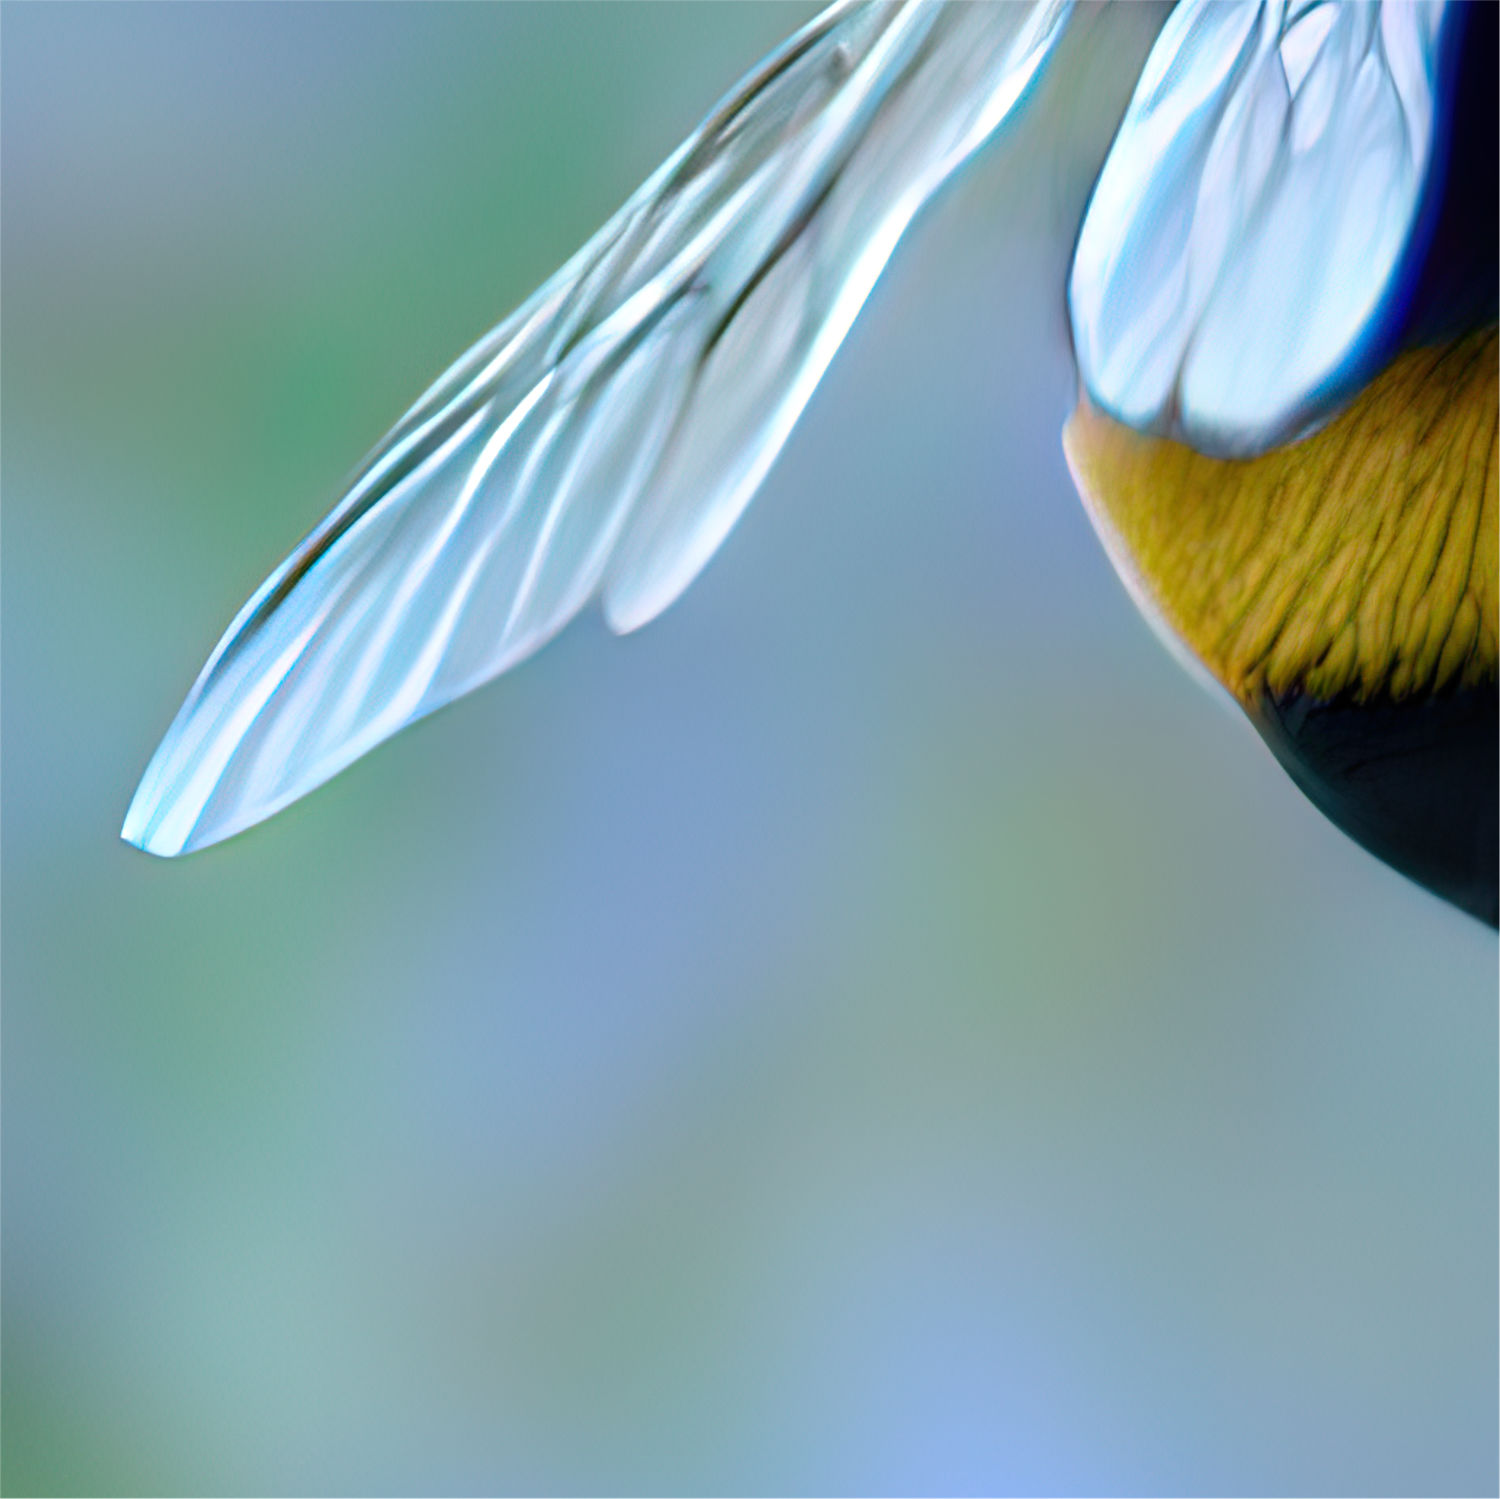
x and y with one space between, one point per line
1414 781
1459 239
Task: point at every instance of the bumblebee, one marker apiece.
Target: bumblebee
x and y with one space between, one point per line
1283 310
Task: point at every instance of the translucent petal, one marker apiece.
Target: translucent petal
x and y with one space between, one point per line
609 433
1246 241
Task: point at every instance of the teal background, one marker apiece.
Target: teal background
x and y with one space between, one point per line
882 1028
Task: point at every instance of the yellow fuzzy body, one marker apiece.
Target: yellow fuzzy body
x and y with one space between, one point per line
1359 563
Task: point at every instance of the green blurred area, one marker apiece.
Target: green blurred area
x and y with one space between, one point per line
879 1029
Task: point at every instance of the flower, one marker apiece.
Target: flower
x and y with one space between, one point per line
1247 263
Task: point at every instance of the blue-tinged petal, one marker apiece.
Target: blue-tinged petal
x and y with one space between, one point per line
605 438
1248 249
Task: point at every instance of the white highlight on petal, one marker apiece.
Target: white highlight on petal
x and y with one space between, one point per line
1249 229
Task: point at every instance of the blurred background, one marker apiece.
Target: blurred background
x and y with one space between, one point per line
881 1028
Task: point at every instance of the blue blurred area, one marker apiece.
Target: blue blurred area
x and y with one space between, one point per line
881 1028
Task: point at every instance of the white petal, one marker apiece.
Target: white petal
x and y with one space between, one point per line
610 432
1249 232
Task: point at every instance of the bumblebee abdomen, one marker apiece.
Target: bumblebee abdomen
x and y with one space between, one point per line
1413 781
1344 590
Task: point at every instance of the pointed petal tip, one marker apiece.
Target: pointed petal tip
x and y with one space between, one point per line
162 825
146 846
159 821
142 828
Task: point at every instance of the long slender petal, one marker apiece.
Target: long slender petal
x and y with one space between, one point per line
605 437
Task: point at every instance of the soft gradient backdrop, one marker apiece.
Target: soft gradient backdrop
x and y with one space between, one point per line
881 1028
